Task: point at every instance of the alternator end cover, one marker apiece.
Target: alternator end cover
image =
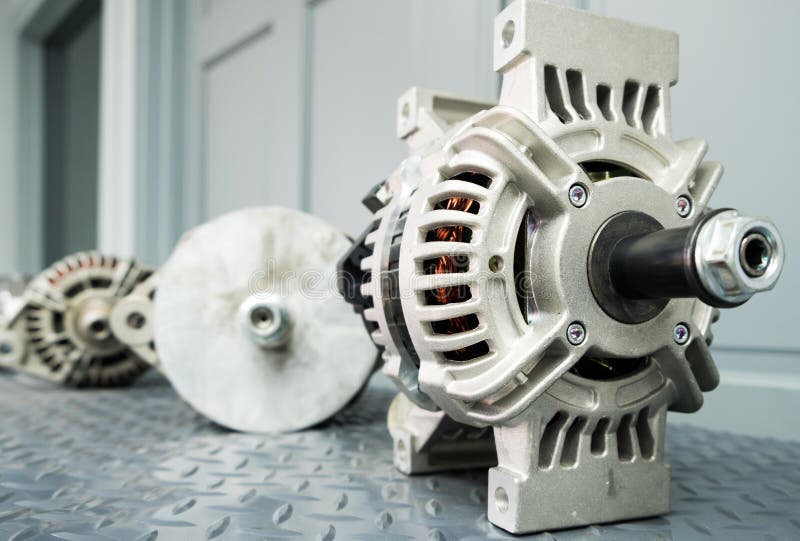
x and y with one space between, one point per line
249 327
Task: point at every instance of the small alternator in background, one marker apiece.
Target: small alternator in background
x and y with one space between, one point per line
57 325
542 275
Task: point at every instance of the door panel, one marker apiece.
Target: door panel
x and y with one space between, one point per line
247 105
365 55
71 97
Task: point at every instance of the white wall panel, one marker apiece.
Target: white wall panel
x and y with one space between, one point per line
738 89
247 106
364 55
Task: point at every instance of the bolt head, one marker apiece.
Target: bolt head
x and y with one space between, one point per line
578 195
683 206
576 333
681 334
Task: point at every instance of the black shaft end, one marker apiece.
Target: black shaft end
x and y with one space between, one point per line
636 266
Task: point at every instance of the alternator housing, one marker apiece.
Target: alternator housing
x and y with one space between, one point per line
478 273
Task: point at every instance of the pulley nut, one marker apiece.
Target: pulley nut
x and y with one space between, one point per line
738 256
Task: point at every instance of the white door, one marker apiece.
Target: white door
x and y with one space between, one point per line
246 105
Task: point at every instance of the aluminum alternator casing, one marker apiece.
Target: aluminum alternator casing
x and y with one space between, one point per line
509 335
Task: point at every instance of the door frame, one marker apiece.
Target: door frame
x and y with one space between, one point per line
140 142
33 22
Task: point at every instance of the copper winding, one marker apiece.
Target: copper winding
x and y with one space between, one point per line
448 264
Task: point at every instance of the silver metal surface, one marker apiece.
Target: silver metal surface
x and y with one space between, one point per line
722 255
235 363
266 320
137 464
132 320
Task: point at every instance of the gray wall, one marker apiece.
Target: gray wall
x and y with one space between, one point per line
8 230
71 109
363 56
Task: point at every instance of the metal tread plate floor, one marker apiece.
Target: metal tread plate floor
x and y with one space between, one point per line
139 464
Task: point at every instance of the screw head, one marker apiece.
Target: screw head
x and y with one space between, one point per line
681 334
576 333
578 195
6 348
683 206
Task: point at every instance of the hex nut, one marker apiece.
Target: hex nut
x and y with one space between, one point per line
718 256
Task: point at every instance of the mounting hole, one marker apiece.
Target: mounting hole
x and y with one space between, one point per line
261 317
401 450
405 113
501 499
507 35
495 263
6 348
136 320
755 254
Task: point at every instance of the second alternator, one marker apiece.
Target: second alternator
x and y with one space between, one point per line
59 327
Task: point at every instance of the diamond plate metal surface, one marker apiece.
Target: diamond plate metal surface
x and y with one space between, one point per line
138 464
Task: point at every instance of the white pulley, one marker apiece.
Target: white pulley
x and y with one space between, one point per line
248 324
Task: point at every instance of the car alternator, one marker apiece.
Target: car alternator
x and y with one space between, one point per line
245 321
58 329
550 268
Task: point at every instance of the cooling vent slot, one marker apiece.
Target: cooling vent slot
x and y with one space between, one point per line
572 440
647 443
604 102
630 99
454 294
468 353
562 438
549 441
599 436
523 278
577 94
448 263
625 438
568 98
651 110
555 94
